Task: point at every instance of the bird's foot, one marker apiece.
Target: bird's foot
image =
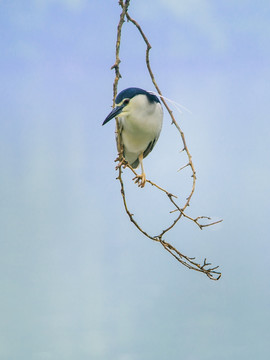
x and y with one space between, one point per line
140 180
122 162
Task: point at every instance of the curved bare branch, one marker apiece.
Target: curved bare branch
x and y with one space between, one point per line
189 262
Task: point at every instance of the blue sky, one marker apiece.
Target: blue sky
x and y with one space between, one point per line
77 279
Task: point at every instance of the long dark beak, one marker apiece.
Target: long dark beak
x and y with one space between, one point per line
116 111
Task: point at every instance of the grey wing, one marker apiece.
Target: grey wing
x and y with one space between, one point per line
147 151
149 147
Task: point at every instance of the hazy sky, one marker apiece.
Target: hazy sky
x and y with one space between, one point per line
77 280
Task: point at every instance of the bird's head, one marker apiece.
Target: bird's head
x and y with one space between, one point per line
126 102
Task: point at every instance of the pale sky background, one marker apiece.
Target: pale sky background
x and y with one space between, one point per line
77 280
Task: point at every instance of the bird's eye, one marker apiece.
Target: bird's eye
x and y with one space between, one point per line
126 101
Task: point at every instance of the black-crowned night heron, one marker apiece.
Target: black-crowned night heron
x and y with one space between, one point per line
140 117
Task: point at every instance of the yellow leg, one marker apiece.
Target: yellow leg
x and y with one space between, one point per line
141 179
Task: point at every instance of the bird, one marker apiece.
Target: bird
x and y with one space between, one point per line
140 117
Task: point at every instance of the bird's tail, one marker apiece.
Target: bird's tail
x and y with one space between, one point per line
135 164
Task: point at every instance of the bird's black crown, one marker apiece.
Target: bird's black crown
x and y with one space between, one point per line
129 93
